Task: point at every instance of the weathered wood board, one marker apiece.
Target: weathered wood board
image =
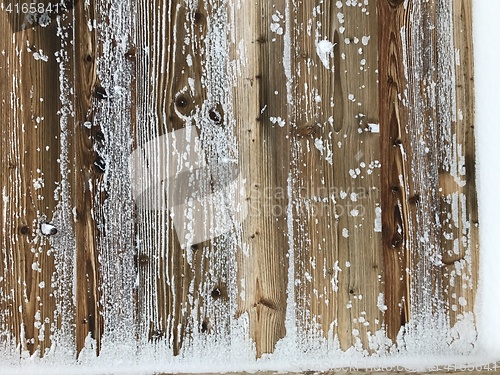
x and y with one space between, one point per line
261 175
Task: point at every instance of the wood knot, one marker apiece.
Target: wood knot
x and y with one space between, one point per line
143 259
414 199
198 16
130 54
89 58
216 293
215 116
181 102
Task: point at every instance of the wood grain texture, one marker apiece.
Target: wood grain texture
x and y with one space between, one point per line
88 168
335 153
393 117
260 95
347 127
428 204
29 152
183 287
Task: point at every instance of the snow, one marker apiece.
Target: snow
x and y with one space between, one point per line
48 229
324 50
487 86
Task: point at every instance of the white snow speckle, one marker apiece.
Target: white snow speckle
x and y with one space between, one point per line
48 229
374 128
277 120
324 50
381 302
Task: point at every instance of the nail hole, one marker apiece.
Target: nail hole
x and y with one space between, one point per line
24 230
394 189
194 247
397 142
88 58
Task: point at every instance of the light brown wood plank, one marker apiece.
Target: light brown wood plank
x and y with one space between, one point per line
259 94
335 155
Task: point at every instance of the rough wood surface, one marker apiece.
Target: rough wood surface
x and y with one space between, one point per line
29 175
260 94
335 173
346 128
429 210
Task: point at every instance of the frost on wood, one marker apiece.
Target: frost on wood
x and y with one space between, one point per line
230 156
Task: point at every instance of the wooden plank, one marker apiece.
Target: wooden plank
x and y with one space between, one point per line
349 231
393 116
88 169
112 204
183 287
29 151
458 175
335 155
429 203
260 98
